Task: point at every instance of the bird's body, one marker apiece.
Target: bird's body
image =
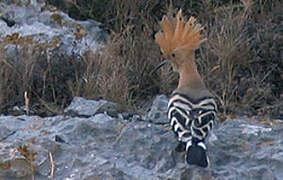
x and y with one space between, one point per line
191 120
191 108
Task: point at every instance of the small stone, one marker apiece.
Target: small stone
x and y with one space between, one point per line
158 111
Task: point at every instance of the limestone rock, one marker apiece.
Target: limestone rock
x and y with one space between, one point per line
158 111
90 145
82 107
49 27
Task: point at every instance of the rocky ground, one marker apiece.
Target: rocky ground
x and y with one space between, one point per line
95 140
48 26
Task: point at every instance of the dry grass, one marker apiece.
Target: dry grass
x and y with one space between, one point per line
228 42
230 61
28 66
241 61
103 75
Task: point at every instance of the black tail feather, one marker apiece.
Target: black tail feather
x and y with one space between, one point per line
196 155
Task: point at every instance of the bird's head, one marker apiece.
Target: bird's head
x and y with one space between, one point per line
178 39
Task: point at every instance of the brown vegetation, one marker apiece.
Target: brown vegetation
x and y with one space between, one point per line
241 62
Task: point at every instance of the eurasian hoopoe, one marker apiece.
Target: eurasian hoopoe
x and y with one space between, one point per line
191 108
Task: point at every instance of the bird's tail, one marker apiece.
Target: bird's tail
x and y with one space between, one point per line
196 154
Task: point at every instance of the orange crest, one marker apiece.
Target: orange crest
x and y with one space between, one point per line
176 33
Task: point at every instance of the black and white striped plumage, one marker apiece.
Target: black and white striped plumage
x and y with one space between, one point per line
191 120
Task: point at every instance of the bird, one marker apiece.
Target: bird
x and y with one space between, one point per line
192 107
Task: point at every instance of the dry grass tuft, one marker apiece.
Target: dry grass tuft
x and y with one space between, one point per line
241 61
103 75
29 66
228 42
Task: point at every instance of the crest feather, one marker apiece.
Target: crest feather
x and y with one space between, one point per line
176 33
167 28
161 40
179 27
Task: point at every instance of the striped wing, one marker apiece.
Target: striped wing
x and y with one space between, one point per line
191 119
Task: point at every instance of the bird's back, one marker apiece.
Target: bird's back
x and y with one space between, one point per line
191 120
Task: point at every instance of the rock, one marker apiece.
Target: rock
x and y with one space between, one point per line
158 111
36 23
5 132
90 145
245 150
82 107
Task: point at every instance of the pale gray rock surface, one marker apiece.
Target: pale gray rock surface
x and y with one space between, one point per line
46 25
98 146
83 107
158 111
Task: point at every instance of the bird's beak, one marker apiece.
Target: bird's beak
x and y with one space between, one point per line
160 65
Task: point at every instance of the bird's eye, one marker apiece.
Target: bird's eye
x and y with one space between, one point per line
173 55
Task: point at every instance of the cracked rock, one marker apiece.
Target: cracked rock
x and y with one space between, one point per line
99 146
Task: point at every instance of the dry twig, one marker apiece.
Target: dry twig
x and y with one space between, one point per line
52 165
